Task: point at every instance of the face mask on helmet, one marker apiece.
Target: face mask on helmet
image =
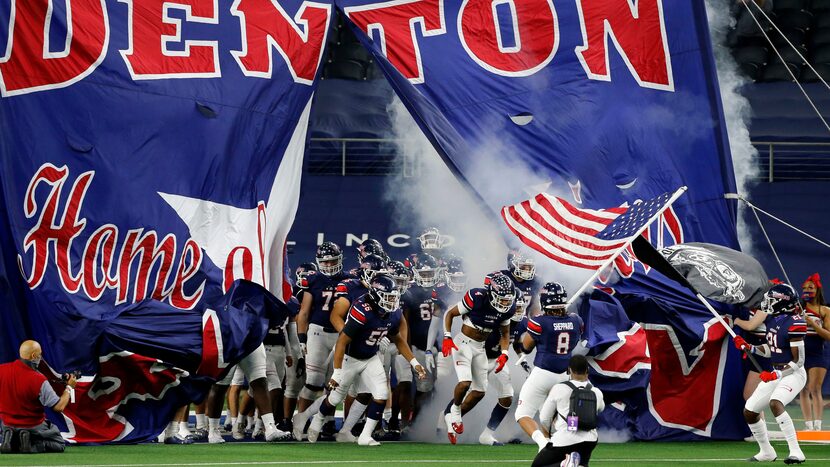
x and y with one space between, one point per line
521 307
430 240
523 267
502 301
385 293
779 299
426 276
456 281
330 266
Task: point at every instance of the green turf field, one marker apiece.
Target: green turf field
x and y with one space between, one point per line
409 454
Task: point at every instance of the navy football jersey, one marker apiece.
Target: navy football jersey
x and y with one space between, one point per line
322 290
366 328
492 345
419 305
780 329
350 289
276 334
477 311
528 288
556 337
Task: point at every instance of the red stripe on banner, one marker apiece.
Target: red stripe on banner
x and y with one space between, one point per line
533 326
468 300
358 316
550 209
540 249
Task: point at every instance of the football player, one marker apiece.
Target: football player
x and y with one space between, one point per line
422 309
346 293
295 373
555 334
500 381
356 360
786 329
521 269
483 311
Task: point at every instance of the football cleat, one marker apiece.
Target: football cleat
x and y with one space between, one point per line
214 437
487 439
762 458
178 439
452 437
298 421
272 433
795 459
6 442
572 460
345 437
315 428
200 434
367 441
238 431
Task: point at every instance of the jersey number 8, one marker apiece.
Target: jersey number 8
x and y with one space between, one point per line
563 343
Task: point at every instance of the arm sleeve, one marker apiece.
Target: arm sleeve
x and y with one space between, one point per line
293 339
47 396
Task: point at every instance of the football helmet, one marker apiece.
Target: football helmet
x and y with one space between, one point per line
554 299
522 301
383 292
329 258
521 266
303 270
780 298
430 240
369 266
401 274
454 274
427 271
502 292
370 246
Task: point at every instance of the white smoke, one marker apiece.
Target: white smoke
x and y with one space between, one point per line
736 110
435 197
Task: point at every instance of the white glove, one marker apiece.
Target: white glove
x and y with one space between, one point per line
429 361
383 344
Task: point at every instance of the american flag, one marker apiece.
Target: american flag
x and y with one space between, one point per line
585 238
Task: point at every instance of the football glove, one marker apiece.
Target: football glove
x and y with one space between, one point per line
741 344
767 376
429 361
447 346
500 362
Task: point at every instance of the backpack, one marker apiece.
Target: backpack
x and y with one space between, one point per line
583 405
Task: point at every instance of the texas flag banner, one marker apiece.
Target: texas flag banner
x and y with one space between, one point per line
603 102
149 150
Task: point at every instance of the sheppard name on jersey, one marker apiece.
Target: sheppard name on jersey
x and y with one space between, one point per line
563 326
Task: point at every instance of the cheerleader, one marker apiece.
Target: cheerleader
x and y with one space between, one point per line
818 331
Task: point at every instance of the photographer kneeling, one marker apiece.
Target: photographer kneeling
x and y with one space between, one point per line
577 406
24 392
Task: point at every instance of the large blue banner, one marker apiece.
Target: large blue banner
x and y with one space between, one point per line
602 102
149 150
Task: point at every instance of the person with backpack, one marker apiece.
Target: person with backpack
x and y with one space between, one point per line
577 405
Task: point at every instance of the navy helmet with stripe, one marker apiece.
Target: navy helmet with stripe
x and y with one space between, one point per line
554 299
780 298
383 292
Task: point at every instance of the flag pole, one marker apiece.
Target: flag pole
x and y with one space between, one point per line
613 257
646 253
